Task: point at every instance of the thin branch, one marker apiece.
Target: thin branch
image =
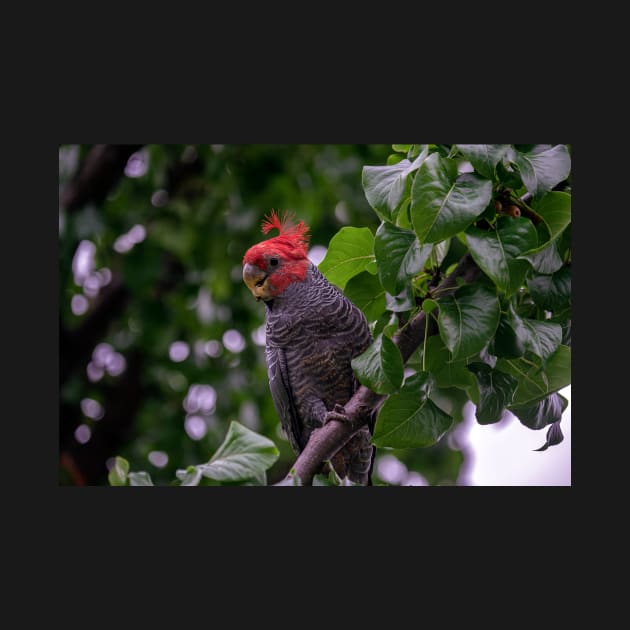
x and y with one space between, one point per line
326 441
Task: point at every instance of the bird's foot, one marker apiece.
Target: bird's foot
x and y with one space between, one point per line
337 413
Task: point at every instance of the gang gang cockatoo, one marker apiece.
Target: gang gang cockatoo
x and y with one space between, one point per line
312 334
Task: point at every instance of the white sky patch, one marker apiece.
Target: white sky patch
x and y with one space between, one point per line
504 455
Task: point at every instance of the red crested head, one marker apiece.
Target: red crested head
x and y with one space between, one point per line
271 265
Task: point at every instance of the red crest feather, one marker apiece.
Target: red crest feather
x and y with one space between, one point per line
296 234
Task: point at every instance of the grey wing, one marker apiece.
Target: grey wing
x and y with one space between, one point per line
282 396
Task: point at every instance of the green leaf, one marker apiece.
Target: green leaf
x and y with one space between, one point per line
451 400
495 251
468 319
242 455
402 302
429 305
445 372
554 434
191 476
507 342
535 380
380 367
399 256
444 203
544 412
367 293
409 419
555 209
541 338
350 251
496 392
385 186
117 476
140 478
545 260
543 167
553 292
401 148
484 157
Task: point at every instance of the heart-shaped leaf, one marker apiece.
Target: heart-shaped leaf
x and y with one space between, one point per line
496 391
543 167
496 250
553 292
444 203
244 454
409 419
536 381
385 186
350 252
380 367
399 256
468 319
546 411
545 260
367 293
484 157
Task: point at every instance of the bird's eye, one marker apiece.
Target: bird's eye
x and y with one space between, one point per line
260 282
273 261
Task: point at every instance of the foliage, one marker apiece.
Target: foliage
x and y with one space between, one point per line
243 458
508 328
162 346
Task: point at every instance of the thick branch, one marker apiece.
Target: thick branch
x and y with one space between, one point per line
325 442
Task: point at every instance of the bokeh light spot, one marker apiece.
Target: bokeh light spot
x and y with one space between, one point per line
233 341
317 253
159 198
158 458
92 408
179 351
213 348
390 469
79 304
137 164
259 336
83 261
195 427
82 434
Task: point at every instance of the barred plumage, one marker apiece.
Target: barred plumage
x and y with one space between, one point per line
313 333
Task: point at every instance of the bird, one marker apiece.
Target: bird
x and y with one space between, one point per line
312 333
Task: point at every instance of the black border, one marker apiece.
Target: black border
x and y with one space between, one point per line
288 523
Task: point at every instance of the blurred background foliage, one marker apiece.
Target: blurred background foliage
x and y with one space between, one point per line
161 343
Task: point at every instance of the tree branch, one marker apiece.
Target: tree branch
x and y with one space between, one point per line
326 441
